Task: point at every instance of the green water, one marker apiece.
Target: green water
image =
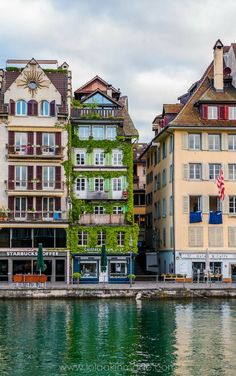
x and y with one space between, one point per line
117 337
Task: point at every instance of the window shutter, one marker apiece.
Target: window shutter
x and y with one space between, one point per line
205 171
12 107
58 177
29 108
35 108
30 143
221 112
215 237
39 143
185 141
204 141
226 171
30 177
232 236
185 171
11 141
11 203
106 184
11 177
39 177
205 204
225 205
91 184
38 204
185 204
52 108
204 111
226 112
58 142
195 236
57 201
30 203
224 141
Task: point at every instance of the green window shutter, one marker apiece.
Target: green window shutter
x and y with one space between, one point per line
91 184
125 208
107 184
108 159
89 158
124 183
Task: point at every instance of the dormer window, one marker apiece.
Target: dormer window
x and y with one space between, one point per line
44 108
21 108
212 112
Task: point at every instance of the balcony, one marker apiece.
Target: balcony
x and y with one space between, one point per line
101 195
98 219
34 185
97 113
29 151
35 216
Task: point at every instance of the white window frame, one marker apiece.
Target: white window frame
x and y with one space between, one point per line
81 184
21 177
101 238
48 143
49 172
44 108
98 136
98 210
121 238
212 112
48 207
232 112
117 210
232 145
111 135
80 158
82 238
21 213
21 140
194 141
99 158
117 158
21 113
216 142
232 171
196 173
117 184
99 185
82 132
232 204
214 170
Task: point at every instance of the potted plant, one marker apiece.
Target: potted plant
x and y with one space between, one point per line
132 277
3 214
76 277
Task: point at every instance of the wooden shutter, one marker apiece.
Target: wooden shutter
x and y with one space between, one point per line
215 236
52 108
204 111
204 141
225 205
221 112
11 177
38 204
30 203
185 204
11 141
225 167
57 201
195 236
185 171
12 107
205 171
205 204
185 141
39 143
58 177
226 112
232 236
30 143
30 177
29 108
11 203
39 177
34 108
224 141
58 142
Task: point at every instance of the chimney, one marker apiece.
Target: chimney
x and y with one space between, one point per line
109 90
218 66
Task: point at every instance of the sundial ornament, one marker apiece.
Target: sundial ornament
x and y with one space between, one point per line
33 80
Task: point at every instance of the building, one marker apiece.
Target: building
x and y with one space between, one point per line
101 184
193 230
34 103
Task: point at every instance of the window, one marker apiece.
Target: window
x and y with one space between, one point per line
82 238
194 141
164 237
117 210
195 203
84 133
44 108
158 209
80 158
159 155
171 145
212 112
111 133
89 269
214 203
164 150
171 173
116 184
21 142
195 171
232 171
81 184
195 236
121 238
171 205
232 204
20 207
118 269
232 236
232 113
101 239
99 210
232 141
99 158
163 208
48 207
215 237
214 141
48 177
48 143
99 184
21 108
164 178
117 158
214 170
98 133
158 181
20 176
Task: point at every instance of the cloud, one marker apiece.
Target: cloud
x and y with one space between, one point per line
152 50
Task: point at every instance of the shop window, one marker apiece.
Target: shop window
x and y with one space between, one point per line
118 269
4 238
88 269
22 238
44 236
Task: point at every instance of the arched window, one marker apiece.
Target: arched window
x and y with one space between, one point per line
21 107
32 108
44 108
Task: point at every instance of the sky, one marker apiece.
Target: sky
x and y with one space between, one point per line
153 50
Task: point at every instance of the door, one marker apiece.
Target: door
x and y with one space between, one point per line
60 271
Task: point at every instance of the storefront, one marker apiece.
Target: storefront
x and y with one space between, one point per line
118 268
24 262
222 266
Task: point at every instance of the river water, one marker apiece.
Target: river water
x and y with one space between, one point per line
117 337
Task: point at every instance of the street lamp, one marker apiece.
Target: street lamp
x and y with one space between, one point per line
131 260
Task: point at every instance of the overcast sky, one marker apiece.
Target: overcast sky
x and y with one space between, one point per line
153 50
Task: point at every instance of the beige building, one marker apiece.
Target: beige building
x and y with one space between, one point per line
189 229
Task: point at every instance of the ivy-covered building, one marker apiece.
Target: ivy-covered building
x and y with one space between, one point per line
101 182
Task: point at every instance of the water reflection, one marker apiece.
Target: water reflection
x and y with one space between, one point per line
115 337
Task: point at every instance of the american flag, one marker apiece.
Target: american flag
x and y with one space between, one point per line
221 184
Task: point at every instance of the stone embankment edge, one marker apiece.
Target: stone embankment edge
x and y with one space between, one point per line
27 293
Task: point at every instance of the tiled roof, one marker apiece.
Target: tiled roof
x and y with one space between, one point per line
172 108
228 95
128 125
